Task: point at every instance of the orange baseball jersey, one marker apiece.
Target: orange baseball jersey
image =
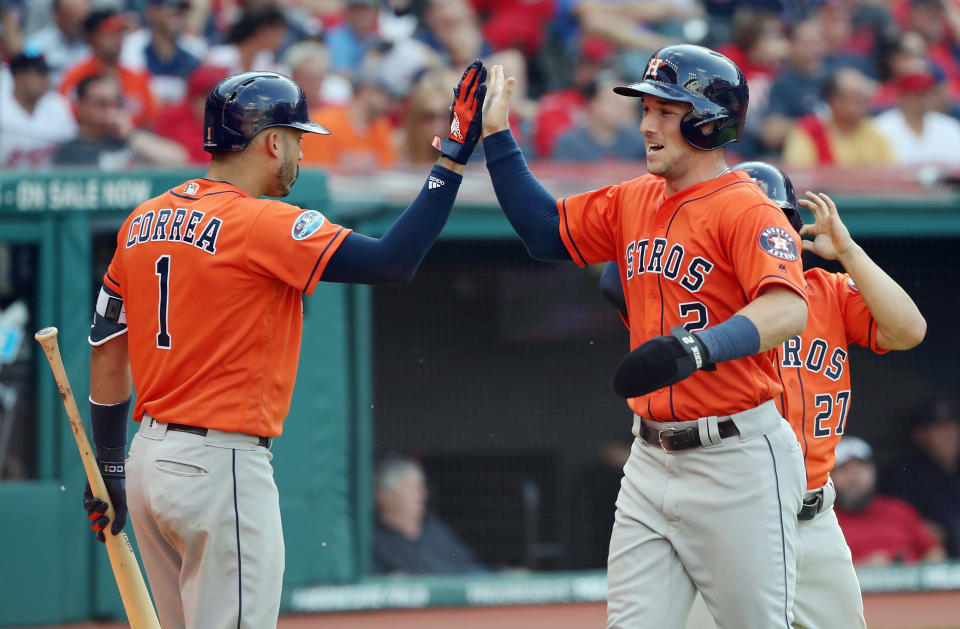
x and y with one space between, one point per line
814 369
693 258
212 282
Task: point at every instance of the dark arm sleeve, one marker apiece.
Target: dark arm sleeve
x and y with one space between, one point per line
396 256
531 210
611 287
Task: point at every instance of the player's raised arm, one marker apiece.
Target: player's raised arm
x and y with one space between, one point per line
396 256
531 210
899 322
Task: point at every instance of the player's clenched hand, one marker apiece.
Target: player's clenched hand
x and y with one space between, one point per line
465 115
496 112
831 237
660 362
115 480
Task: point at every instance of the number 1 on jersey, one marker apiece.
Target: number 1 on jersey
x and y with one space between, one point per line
163 273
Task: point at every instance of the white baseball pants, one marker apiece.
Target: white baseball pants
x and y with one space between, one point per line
206 515
720 519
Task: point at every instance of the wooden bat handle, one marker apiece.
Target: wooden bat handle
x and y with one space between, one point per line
133 589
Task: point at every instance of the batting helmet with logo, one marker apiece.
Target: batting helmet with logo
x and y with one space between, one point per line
241 106
713 85
776 185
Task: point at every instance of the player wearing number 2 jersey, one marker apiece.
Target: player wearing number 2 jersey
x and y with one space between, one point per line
863 306
202 301
712 273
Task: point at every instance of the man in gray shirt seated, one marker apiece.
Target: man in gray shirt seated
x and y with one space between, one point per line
406 538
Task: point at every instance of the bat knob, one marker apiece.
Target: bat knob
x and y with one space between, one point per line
45 333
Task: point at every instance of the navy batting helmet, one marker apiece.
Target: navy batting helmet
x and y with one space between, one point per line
775 183
713 85
241 106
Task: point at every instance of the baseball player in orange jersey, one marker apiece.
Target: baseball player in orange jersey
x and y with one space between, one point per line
202 305
713 283
863 306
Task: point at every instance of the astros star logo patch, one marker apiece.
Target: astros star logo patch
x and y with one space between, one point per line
778 242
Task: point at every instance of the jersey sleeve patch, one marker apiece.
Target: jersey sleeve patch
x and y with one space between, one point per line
852 285
779 243
307 224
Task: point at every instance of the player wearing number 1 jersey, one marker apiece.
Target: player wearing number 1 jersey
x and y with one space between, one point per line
203 303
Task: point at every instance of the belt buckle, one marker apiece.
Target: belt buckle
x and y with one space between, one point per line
660 433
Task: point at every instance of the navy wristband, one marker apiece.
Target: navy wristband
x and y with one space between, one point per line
736 337
109 422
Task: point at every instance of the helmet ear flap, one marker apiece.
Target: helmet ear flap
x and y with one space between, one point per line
693 131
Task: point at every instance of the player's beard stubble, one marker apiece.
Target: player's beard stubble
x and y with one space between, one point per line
287 173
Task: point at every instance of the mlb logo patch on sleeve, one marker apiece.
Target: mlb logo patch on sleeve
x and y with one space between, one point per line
307 224
778 242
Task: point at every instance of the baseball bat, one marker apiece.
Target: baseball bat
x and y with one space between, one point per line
133 589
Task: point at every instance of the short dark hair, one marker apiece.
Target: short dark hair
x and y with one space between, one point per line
29 61
250 23
84 85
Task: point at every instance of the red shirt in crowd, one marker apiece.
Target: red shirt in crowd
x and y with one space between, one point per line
888 527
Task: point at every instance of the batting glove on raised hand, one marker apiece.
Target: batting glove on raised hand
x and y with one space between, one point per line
113 472
660 362
465 115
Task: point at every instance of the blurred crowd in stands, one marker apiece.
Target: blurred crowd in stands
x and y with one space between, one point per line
115 83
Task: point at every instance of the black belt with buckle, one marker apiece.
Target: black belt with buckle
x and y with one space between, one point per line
196 430
811 505
676 439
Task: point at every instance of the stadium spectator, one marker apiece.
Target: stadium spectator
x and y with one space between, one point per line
350 41
407 539
918 133
795 93
34 120
758 46
309 65
251 43
363 139
560 109
937 22
163 49
907 54
105 31
182 122
836 24
62 41
879 529
511 24
443 17
847 136
428 115
634 28
107 138
608 131
929 479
